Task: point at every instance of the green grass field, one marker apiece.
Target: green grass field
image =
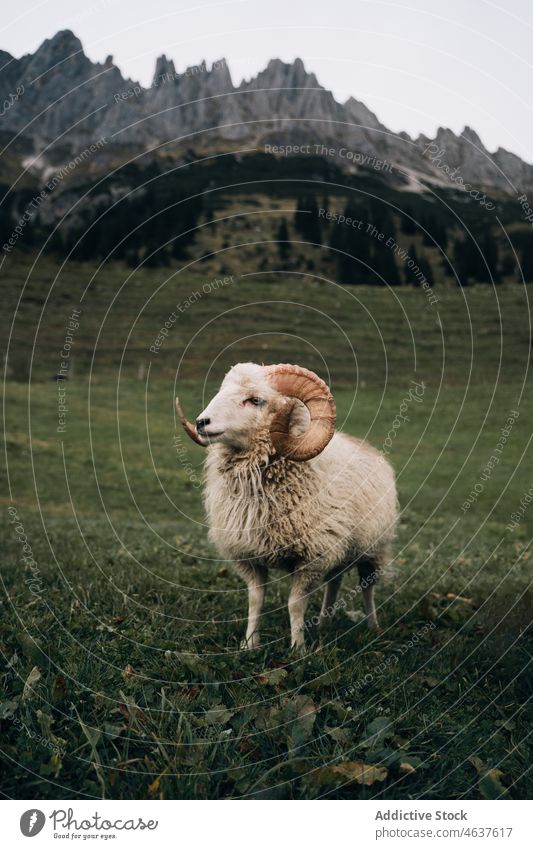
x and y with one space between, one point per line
122 675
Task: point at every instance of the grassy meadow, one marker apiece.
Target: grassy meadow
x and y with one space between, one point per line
122 675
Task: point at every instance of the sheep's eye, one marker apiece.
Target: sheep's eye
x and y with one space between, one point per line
256 402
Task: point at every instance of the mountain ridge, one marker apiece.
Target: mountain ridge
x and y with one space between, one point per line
68 101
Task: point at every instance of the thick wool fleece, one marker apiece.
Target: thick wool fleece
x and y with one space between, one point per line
319 514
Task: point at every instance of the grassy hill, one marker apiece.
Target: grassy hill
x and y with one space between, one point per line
361 335
123 675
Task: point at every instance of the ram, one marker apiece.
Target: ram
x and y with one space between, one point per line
284 490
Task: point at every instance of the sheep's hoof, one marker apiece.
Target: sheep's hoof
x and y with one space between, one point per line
251 643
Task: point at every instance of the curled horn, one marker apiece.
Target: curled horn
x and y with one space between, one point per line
188 427
306 386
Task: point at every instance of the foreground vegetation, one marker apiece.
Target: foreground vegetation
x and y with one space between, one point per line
122 675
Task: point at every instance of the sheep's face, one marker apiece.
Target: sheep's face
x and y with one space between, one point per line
284 409
244 407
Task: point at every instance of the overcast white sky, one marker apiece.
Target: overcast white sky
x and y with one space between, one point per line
417 63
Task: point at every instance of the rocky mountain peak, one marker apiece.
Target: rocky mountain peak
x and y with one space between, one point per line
222 71
361 114
68 97
279 74
62 45
164 70
61 55
471 136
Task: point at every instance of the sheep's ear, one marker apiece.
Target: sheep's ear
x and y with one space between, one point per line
300 419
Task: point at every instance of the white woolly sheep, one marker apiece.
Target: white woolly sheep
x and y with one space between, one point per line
283 489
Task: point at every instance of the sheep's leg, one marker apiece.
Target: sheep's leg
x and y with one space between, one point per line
370 608
331 590
368 575
256 578
302 585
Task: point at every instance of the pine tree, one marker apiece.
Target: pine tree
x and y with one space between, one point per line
425 268
441 235
306 220
490 272
476 259
354 257
300 215
385 268
508 265
282 238
407 224
411 267
380 215
467 261
527 261
428 231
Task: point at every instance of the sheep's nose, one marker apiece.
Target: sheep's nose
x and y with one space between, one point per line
201 423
